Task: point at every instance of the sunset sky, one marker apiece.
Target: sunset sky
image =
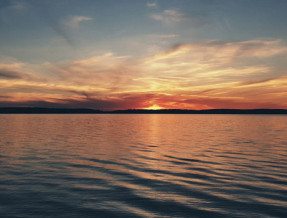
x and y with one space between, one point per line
124 54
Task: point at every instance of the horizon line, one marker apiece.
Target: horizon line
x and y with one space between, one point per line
45 110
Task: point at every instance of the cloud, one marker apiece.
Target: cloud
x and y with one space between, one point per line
230 103
143 100
162 36
217 53
11 69
54 18
12 5
64 26
209 74
107 71
169 17
74 21
11 9
19 6
151 4
125 102
8 74
49 15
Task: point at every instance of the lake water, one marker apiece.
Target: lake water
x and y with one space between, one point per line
143 165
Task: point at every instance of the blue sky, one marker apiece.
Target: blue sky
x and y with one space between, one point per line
46 36
32 29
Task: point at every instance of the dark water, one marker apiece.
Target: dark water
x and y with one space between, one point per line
143 166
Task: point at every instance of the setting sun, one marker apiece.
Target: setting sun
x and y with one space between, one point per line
143 108
154 107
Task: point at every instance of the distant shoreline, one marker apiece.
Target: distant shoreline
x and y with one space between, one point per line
35 110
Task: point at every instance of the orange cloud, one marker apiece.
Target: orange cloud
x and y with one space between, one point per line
202 75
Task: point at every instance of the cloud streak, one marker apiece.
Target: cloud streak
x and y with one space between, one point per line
12 5
7 74
151 4
169 17
74 21
59 24
210 74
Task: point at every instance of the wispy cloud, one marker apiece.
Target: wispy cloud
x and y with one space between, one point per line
211 74
13 70
19 6
12 5
8 74
151 4
61 24
163 36
169 17
74 21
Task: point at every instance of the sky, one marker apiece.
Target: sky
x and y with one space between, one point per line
135 54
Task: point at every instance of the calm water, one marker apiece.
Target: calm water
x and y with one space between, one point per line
143 166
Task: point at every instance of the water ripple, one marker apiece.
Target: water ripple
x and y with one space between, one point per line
144 168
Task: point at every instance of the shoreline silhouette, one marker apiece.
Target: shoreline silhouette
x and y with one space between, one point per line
38 110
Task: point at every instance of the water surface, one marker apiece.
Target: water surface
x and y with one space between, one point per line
155 165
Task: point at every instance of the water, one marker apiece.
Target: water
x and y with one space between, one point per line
143 166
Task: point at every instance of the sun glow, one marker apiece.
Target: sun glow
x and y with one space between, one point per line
154 107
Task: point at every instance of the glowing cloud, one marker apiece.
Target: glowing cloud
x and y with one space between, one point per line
211 74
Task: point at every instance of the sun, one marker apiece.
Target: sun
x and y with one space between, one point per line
154 107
